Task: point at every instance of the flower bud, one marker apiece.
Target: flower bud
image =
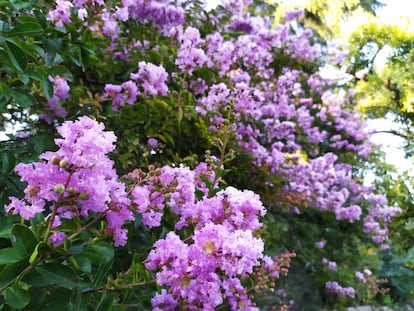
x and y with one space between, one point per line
59 188
83 196
54 160
64 163
71 190
33 191
209 247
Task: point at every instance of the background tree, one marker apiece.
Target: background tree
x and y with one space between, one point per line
381 68
324 17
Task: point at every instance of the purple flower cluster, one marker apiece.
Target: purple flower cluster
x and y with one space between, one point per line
61 15
293 15
127 92
277 117
334 287
151 79
60 93
76 180
170 187
202 270
379 215
162 14
361 276
330 265
190 55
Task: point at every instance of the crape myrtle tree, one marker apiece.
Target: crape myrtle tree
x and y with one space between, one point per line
170 158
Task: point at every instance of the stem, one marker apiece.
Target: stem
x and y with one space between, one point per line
222 149
55 207
118 287
27 269
87 226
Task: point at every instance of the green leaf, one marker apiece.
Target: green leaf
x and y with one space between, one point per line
16 297
22 99
409 226
50 46
8 162
31 50
40 17
82 263
26 29
23 240
42 143
27 19
180 115
57 299
105 250
5 90
9 255
36 76
6 230
9 272
18 4
3 104
84 57
154 56
102 273
23 78
50 274
40 250
106 302
17 56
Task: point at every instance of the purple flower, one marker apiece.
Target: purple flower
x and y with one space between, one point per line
79 170
57 238
292 15
163 302
360 276
26 211
151 78
152 143
60 15
60 93
110 26
160 14
336 288
361 73
60 88
320 244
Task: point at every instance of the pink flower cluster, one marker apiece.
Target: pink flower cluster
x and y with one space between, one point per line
361 276
60 93
201 270
330 265
175 188
76 180
151 79
334 287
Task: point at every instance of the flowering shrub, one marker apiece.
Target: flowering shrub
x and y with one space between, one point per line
232 156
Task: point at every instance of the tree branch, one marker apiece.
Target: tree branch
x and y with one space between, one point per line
394 132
